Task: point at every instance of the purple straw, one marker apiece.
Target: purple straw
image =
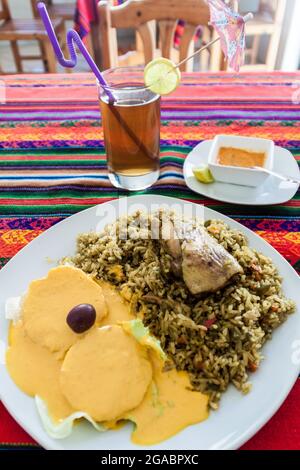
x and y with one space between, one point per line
72 37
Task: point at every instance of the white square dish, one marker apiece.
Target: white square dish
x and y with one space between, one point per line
236 174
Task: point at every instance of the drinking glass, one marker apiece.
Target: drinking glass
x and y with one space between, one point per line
131 126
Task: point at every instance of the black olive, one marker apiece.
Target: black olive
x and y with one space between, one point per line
81 318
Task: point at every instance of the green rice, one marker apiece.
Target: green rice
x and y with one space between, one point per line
216 337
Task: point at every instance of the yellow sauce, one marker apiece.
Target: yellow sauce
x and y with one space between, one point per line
48 302
230 156
169 407
105 372
35 370
117 308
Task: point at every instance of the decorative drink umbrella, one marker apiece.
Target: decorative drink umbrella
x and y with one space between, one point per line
230 26
231 29
162 75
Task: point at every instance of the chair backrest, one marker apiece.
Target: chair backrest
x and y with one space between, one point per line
4 10
34 4
137 14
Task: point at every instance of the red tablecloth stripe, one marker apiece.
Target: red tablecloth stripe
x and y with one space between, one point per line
10 431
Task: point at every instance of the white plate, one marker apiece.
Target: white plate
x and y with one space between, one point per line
273 191
239 417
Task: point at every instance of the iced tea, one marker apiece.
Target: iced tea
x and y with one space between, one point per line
131 128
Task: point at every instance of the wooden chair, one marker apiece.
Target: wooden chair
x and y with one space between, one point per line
62 11
65 12
138 14
14 30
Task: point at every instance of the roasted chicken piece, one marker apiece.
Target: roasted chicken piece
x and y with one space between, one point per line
203 263
206 265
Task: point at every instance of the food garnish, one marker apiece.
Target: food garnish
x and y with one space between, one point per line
161 76
203 174
81 318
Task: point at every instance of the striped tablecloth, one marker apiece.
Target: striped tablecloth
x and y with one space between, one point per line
52 164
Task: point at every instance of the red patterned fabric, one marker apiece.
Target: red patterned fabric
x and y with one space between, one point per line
85 14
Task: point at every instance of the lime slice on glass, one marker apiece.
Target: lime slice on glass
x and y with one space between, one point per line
203 174
161 76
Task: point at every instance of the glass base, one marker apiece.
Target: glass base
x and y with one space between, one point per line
133 183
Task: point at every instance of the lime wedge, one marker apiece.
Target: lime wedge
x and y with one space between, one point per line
203 174
161 76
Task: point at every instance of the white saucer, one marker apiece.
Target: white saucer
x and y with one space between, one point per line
273 191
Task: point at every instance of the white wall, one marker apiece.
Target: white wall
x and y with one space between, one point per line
22 8
289 49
